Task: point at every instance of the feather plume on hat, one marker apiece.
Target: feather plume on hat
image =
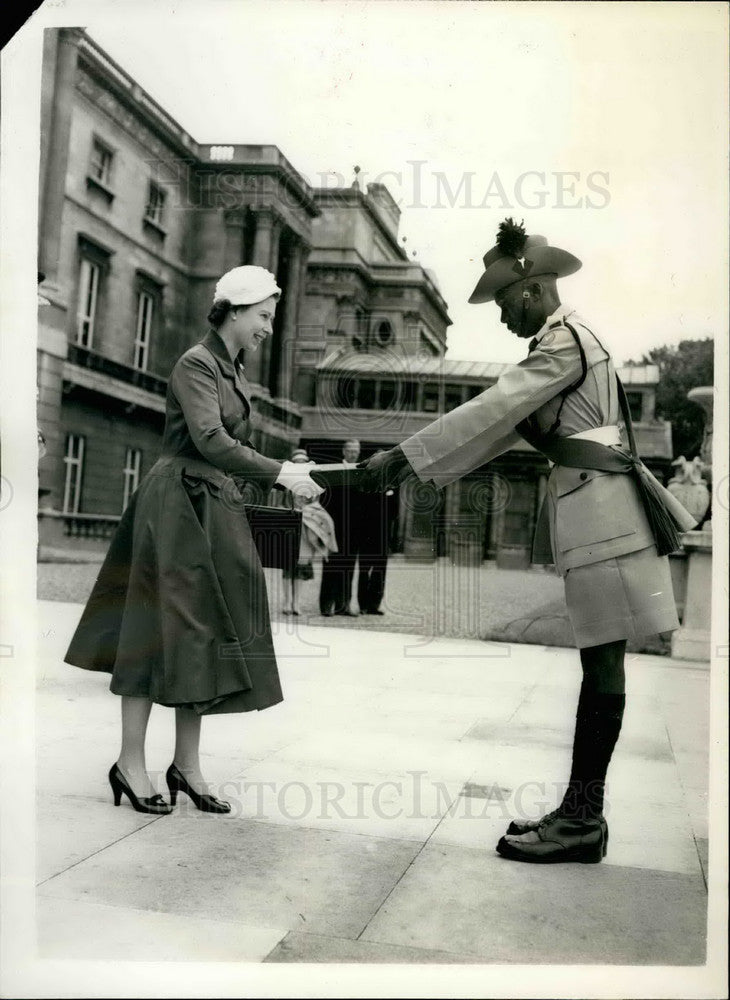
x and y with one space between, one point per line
511 237
516 256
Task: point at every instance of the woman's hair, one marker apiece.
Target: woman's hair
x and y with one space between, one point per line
220 310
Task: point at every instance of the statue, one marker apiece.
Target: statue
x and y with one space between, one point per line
688 486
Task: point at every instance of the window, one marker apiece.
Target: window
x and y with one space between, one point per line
409 392
388 395
74 464
131 474
453 397
383 333
345 395
145 312
366 394
100 166
155 204
430 399
89 280
515 528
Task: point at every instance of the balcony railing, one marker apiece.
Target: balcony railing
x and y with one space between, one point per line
95 527
84 358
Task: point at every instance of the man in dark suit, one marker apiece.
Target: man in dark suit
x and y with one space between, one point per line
335 591
371 531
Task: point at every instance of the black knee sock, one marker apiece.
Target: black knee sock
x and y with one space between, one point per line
597 727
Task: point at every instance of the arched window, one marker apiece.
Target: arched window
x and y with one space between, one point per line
383 333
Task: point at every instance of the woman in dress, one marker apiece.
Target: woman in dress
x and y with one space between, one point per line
179 613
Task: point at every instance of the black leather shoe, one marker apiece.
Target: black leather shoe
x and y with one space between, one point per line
177 782
153 804
517 827
556 840
346 613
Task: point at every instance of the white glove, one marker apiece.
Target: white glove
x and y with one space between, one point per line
294 476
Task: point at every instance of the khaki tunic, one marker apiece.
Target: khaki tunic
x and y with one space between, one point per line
589 518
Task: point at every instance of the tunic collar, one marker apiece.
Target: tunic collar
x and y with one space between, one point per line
557 318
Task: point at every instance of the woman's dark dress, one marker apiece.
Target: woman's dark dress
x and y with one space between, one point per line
179 612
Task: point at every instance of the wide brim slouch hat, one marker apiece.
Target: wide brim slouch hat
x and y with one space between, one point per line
517 256
246 285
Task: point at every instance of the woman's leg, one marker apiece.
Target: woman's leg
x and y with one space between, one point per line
295 594
187 748
131 762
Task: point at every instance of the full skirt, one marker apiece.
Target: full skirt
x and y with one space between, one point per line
179 612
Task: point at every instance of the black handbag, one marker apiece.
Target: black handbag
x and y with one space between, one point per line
276 534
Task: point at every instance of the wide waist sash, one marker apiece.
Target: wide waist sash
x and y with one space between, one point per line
666 515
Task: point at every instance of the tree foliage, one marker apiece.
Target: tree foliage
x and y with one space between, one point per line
682 367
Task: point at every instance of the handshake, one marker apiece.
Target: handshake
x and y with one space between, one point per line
383 471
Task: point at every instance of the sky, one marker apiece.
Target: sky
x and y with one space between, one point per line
602 126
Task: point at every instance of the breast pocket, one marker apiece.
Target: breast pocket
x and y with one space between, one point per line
598 508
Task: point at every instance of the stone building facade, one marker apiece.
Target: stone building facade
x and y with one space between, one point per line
137 223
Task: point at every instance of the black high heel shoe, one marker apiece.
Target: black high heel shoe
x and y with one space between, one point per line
177 782
155 804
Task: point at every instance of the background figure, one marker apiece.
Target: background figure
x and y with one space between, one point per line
371 531
318 539
338 569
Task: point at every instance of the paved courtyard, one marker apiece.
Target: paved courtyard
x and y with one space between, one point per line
366 808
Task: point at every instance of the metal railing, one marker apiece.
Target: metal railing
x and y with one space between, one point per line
85 358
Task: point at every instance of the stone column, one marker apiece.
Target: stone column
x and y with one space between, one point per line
234 223
268 346
276 228
257 363
289 326
60 53
262 238
260 256
55 157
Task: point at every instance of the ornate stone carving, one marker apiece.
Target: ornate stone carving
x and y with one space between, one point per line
688 486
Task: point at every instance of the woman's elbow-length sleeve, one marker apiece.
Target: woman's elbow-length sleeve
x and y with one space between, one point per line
196 389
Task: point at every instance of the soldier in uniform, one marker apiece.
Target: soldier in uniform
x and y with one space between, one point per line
606 523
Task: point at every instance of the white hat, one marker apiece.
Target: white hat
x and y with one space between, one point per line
243 286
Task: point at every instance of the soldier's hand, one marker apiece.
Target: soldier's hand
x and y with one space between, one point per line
384 470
